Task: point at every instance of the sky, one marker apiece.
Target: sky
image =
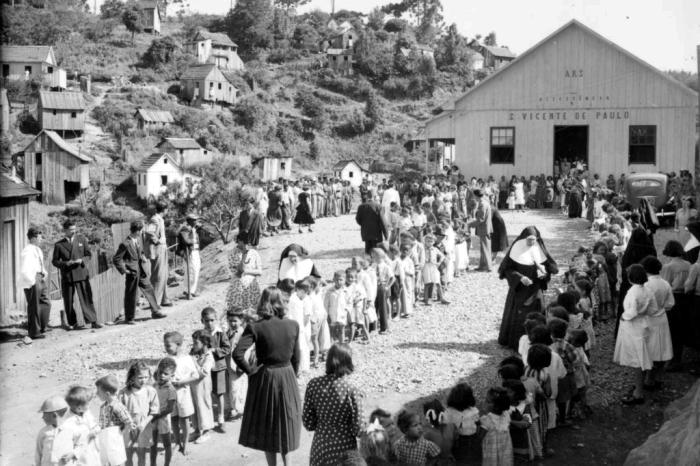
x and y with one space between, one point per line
664 33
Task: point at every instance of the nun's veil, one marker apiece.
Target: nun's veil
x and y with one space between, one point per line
508 262
300 250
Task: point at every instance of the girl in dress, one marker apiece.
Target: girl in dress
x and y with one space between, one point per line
496 445
462 244
303 216
538 384
510 202
578 339
408 293
431 273
631 347
244 290
462 413
367 277
523 431
142 402
201 390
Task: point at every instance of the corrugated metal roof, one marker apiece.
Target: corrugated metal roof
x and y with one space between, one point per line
155 116
218 38
60 142
180 143
503 52
198 71
152 159
62 100
24 53
13 187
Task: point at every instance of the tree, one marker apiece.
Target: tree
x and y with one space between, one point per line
305 37
112 9
249 24
372 111
314 151
375 19
452 50
427 14
490 39
290 4
132 19
160 52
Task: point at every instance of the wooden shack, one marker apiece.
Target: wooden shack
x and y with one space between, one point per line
57 169
187 151
273 167
207 84
152 119
577 96
14 223
150 16
496 57
61 111
4 112
27 61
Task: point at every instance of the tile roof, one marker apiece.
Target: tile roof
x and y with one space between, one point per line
24 53
342 163
180 143
198 71
216 37
155 116
60 142
503 52
13 187
62 100
151 160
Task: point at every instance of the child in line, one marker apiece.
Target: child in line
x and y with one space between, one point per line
578 339
523 430
374 445
538 384
540 335
441 434
367 278
408 293
78 432
397 270
336 303
387 422
141 400
462 243
201 389
462 413
449 243
300 311
418 219
220 349
497 447
357 301
385 280
431 273
186 373
418 257
236 380
52 411
567 384
166 400
320 332
113 417
412 449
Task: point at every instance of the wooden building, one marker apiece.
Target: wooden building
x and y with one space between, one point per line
156 172
61 111
152 119
207 84
216 48
574 95
27 61
273 167
14 223
4 112
349 170
496 57
186 151
340 60
150 16
57 169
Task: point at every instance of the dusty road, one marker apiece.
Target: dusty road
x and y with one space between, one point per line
421 358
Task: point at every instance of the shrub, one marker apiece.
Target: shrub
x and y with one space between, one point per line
357 88
356 125
252 115
312 107
281 55
27 123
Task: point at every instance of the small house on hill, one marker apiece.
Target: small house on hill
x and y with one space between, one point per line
495 57
340 60
14 218
61 111
344 40
156 172
274 166
186 151
4 112
22 61
57 169
349 170
152 119
206 83
150 16
216 48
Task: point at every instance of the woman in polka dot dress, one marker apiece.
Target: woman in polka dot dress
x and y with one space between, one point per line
333 409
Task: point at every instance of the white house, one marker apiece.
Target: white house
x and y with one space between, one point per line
187 151
349 170
156 172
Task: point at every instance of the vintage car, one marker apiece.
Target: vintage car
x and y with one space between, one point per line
654 188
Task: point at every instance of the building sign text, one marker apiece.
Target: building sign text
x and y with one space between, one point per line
587 115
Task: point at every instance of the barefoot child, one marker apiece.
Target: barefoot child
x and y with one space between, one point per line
185 373
201 389
114 416
141 400
336 303
431 272
357 301
220 349
408 292
166 400
236 379
52 410
320 332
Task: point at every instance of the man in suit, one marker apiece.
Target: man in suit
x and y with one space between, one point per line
130 260
372 228
68 257
483 227
156 250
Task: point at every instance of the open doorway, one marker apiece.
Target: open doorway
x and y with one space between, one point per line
71 191
570 145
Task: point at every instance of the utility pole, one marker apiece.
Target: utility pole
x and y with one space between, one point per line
332 8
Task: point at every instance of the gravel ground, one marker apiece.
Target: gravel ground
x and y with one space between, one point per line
421 358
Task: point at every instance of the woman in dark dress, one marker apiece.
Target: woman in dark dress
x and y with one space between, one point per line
303 216
333 409
250 223
638 247
274 209
499 237
527 266
272 414
576 200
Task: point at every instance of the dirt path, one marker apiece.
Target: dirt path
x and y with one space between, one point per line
420 359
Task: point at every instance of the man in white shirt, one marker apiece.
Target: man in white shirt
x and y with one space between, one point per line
156 250
32 279
390 195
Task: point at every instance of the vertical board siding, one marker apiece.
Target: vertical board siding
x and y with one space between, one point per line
16 213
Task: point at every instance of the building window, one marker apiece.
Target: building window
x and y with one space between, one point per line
345 58
165 160
503 145
211 84
54 111
283 165
50 69
37 158
28 69
349 174
164 180
643 144
219 86
73 114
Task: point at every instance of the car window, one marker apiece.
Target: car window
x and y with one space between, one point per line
645 184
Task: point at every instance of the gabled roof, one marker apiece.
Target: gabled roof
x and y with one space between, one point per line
180 143
155 116
26 53
198 71
230 76
345 26
60 142
215 37
13 187
152 159
501 52
62 100
343 163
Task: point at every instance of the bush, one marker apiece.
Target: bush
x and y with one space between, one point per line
144 76
312 107
356 88
27 123
252 115
356 125
19 90
281 55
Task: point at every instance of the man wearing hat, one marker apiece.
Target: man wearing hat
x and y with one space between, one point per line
32 279
483 228
130 260
188 240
